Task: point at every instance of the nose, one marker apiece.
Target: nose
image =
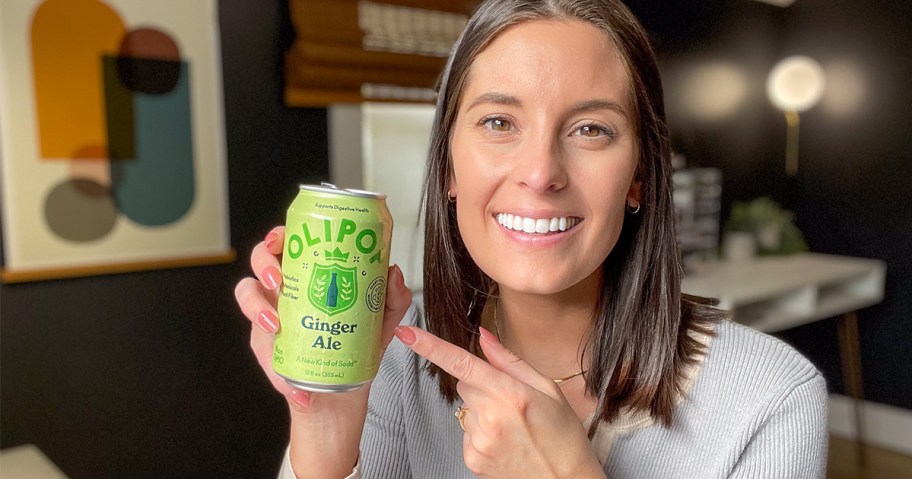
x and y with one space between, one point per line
540 165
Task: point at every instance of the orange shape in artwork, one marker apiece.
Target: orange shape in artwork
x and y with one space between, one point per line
69 38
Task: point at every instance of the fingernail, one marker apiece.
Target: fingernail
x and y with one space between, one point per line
302 398
271 238
488 336
398 279
268 321
273 277
405 334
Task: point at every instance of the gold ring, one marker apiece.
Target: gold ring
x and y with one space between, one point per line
460 416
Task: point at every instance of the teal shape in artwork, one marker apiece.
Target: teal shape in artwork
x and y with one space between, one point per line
156 186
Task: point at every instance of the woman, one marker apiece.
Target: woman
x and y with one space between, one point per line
554 324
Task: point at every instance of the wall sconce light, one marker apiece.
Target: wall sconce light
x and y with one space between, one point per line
794 85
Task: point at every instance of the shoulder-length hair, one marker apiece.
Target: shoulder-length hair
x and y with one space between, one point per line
640 339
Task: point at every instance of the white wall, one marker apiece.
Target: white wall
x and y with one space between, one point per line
389 158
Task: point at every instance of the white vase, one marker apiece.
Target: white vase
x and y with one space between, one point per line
771 237
739 246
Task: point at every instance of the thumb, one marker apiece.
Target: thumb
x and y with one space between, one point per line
505 360
398 300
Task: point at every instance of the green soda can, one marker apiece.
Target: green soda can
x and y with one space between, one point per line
334 268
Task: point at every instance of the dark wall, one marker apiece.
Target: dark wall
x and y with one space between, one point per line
852 193
149 374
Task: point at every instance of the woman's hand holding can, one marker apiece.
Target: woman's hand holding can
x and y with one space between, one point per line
315 417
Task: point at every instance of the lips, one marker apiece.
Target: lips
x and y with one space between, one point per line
537 225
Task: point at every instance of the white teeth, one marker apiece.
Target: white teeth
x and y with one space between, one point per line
528 225
536 226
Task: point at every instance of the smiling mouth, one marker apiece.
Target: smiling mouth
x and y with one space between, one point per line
537 225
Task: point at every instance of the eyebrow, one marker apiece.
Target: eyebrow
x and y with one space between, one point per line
496 98
588 105
592 105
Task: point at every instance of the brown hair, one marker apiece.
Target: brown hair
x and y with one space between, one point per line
639 340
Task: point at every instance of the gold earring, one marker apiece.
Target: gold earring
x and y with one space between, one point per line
633 210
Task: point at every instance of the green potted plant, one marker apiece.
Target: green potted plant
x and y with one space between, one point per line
771 228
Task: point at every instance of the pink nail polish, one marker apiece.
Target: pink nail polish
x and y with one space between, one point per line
405 334
401 278
268 321
302 398
271 239
488 336
272 276
396 276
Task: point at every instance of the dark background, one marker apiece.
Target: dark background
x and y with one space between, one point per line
149 374
852 193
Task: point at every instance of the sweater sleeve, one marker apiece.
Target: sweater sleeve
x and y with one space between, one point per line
286 472
384 452
792 442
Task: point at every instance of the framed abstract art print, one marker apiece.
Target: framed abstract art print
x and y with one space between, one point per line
112 135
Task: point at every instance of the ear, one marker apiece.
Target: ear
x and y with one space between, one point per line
635 193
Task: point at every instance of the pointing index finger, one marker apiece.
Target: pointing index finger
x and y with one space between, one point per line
456 361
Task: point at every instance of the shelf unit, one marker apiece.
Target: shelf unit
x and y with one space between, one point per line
697 200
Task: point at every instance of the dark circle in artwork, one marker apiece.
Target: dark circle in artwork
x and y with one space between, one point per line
80 210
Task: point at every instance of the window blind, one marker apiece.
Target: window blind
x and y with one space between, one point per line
349 51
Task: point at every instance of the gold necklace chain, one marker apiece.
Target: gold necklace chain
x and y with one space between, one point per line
557 381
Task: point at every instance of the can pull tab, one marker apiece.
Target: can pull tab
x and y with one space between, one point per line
329 185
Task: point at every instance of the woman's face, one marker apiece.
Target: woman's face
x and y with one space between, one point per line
544 154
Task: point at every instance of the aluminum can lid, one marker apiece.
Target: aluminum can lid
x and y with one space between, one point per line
333 189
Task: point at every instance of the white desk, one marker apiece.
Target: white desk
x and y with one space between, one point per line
779 292
27 462
773 293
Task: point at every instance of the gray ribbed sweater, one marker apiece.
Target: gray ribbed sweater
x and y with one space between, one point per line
757 409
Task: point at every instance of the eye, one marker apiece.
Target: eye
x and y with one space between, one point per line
497 124
594 131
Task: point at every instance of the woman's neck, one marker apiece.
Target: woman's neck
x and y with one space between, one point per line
548 331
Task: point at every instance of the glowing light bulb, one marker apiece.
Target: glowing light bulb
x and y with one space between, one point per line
796 83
